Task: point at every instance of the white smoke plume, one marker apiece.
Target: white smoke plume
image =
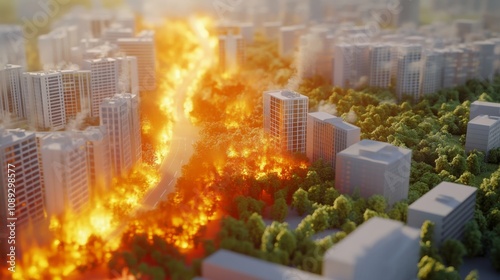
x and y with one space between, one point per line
351 117
78 122
326 107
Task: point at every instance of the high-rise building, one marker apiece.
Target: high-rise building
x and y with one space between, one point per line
231 52
19 153
449 206
451 63
408 71
351 65
44 92
380 66
143 48
12 45
483 134
372 167
315 55
327 135
12 100
120 116
65 177
98 159
76 87
285 119
486 50
432 70
115 32
54 48
369 252
104 75
128 75
288 39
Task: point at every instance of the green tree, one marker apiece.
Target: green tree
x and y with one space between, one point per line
256 227
453 252
473 275
279 210
348 226
330 195
399 211
495 253
431 269
286 241
301 202
472 239
343 206
377 203
473 163
427 232
320 219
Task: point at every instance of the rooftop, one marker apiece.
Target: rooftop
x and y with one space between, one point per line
485 120
13 135
375 151
443 198
333 120
285 94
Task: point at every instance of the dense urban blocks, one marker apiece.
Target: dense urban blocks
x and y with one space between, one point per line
371 167
377 249
449 206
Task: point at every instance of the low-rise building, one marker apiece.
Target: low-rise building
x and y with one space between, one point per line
483 134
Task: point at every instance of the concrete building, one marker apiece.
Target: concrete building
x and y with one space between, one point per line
65 177
478 108
12 45
451 67
377 249
327 135
44 92
104 75
120 116
128 75
98 158
227 265
432 70
486 50
76 87
373 167
409 71
483 134
231 52
351 65
115 32
19 152
465 27
449 206
143 48
380 58
285 119
54 48
288 39
12 100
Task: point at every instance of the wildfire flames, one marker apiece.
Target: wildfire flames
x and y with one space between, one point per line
185 51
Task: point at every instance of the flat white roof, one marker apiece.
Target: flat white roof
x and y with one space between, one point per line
484 103
375 151
443 198
8 136
333 120
485 120
254 268
368 236
285 94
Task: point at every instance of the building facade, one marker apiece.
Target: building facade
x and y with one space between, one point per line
372 167
408 71
231 52
380 66
369 253
478 108
285 119
12 45
327 135
12 100
104 75
65 177
483 134
449 206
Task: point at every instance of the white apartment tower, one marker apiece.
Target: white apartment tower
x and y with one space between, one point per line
408 71
12 45
285 119
143 48
98 159
432 69
231 52
128 75
65 177
373 167
120 117
483 134
486 51
12 100
351 65
45 106
19 152
380 66
104 75
76 84
55 47
327 135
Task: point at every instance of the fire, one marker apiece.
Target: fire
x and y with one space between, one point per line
180 70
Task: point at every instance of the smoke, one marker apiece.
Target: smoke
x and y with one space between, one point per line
362 82
6 120
124 78
351 117
414 66
326 107
78 121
